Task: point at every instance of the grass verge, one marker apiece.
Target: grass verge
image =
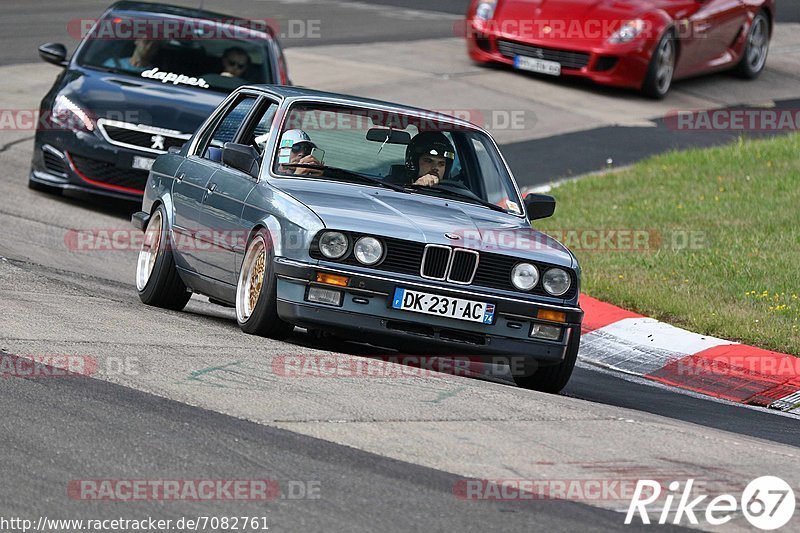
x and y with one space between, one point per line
707 240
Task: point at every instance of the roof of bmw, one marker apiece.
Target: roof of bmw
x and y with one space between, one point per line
303 93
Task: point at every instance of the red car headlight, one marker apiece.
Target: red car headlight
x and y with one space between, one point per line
485 10
628 32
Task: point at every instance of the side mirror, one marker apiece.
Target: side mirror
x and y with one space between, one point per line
540 206
241 157
55 53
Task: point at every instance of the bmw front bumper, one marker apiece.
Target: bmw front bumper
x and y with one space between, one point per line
365 313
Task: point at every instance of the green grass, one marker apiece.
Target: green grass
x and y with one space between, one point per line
740 282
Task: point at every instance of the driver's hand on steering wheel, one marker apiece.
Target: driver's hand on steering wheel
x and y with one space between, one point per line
308 160
428 180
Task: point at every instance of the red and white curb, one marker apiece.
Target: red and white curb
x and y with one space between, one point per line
624 341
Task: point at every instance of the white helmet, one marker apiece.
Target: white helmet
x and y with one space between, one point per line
289 140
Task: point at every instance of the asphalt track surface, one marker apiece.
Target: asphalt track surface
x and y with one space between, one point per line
60 429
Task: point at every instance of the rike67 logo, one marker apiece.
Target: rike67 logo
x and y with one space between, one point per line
767 502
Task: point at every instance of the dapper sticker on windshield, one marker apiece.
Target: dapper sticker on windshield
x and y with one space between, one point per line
175 79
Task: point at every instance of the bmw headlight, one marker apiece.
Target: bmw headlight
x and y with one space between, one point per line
525 276
368 250
485 10
628 32
556 281
333 244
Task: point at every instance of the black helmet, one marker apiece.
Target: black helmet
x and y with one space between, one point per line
431 143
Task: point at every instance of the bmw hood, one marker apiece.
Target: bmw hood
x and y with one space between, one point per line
422 218
140 101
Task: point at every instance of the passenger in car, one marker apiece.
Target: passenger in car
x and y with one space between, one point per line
235 62
143 57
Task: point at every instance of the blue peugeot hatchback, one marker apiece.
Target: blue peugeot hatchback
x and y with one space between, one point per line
143 78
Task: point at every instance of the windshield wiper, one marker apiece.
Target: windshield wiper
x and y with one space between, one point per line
343 172
461 194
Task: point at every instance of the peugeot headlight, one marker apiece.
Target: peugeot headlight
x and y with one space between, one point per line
485 10
368 250
70 115
525 276
333 244
627 32
556 281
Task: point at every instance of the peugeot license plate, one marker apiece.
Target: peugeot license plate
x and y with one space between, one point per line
142 163
435 304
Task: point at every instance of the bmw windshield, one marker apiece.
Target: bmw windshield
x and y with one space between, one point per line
415 154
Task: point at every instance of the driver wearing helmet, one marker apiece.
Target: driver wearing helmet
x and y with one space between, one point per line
295 149
429 158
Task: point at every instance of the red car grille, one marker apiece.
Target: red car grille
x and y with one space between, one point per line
573 60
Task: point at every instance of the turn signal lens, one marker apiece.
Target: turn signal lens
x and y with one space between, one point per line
553 316
331 279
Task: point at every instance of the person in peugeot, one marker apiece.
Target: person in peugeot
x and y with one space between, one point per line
429 158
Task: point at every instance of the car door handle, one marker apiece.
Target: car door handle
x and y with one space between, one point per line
211 188
180 177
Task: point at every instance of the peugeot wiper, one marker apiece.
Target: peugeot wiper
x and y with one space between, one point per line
460 194
343 172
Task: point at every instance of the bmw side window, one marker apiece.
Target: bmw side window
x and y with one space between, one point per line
225 129
257 134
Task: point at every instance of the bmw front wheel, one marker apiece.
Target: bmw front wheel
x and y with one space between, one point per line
256 292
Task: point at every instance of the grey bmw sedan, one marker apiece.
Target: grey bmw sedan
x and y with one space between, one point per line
387 224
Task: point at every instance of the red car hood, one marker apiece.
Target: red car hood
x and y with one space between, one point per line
581 22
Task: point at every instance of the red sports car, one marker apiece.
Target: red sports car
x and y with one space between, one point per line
640 44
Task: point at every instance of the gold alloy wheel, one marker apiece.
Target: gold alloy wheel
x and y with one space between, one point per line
149 251
251 278
256 280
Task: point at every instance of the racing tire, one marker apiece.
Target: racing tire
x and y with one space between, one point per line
257 291
658 80
157 278
756 49
553 378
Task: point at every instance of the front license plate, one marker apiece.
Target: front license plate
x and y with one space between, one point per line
434 304
551 68
142 163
